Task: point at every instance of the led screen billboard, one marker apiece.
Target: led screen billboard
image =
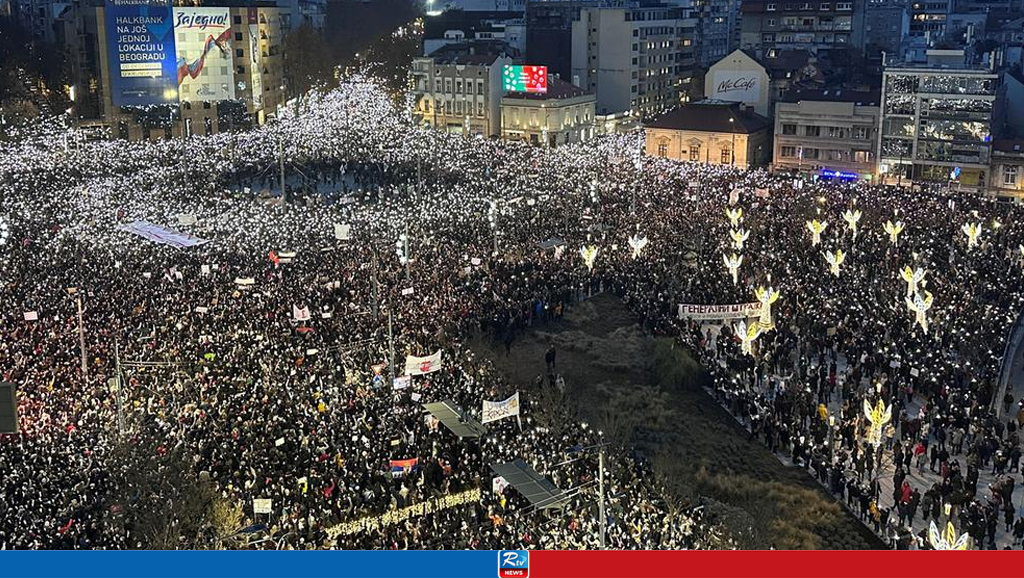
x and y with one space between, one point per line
516 78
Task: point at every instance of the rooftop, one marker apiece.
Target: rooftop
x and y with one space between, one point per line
711 116
473 52
1009 145
858 97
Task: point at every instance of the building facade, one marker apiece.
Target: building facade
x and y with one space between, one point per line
801 24
563 115
714 132
1008 169
238 83
460 93
886 23
639 59
928 18
739 78
717 24
936 123
828 133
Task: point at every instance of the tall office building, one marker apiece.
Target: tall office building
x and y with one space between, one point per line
936 125
801 24
637 59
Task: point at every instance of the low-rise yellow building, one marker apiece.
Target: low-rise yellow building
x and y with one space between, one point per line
711 131
564 114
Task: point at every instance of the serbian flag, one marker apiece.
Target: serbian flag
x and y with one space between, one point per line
274 258
402 467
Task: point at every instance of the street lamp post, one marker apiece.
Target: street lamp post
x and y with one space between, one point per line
732 129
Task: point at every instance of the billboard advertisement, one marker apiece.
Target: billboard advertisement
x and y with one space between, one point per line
255 60
203 43
736 86
140 49
517 78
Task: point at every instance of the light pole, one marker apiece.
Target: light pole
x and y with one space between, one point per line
732 129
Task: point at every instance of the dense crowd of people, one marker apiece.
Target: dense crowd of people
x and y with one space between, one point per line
226 378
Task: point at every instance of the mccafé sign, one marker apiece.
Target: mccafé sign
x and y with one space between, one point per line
730 85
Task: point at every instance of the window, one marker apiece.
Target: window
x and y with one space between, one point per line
860 132
238 36
812 131
788 152
458 87
769 7
238 52
241 69
695 152
726 156
1009 175
662 149
844 5
826 6
479 87
771 22
789 129
238 19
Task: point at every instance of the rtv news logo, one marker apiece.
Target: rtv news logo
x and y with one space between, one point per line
513 564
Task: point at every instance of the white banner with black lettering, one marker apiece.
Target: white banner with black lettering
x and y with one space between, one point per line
719 312
496 410
422 365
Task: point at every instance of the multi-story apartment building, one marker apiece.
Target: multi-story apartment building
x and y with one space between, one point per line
639 59
829 133
936 124
549 32
717 22
928 18
564 114
229 69
886 23
460 91
808 24
1008 169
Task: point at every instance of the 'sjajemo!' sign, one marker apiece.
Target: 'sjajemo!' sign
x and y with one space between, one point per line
719 312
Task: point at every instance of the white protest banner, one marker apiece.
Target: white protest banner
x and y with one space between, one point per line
719 312
407 291
202 309
204 269
475 261
262 506
402 382
300 314
416 397
342 232
495 410
423 365
31 316
734 197
244 281
285 256
186 219
498 485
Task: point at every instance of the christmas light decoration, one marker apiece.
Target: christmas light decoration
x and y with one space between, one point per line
739 236
747 335
912 277
637 243
835 260
734 216
733 262
589 254
816 227
947 540
973 231
852 217
877 417
894 230
920 305
766 297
